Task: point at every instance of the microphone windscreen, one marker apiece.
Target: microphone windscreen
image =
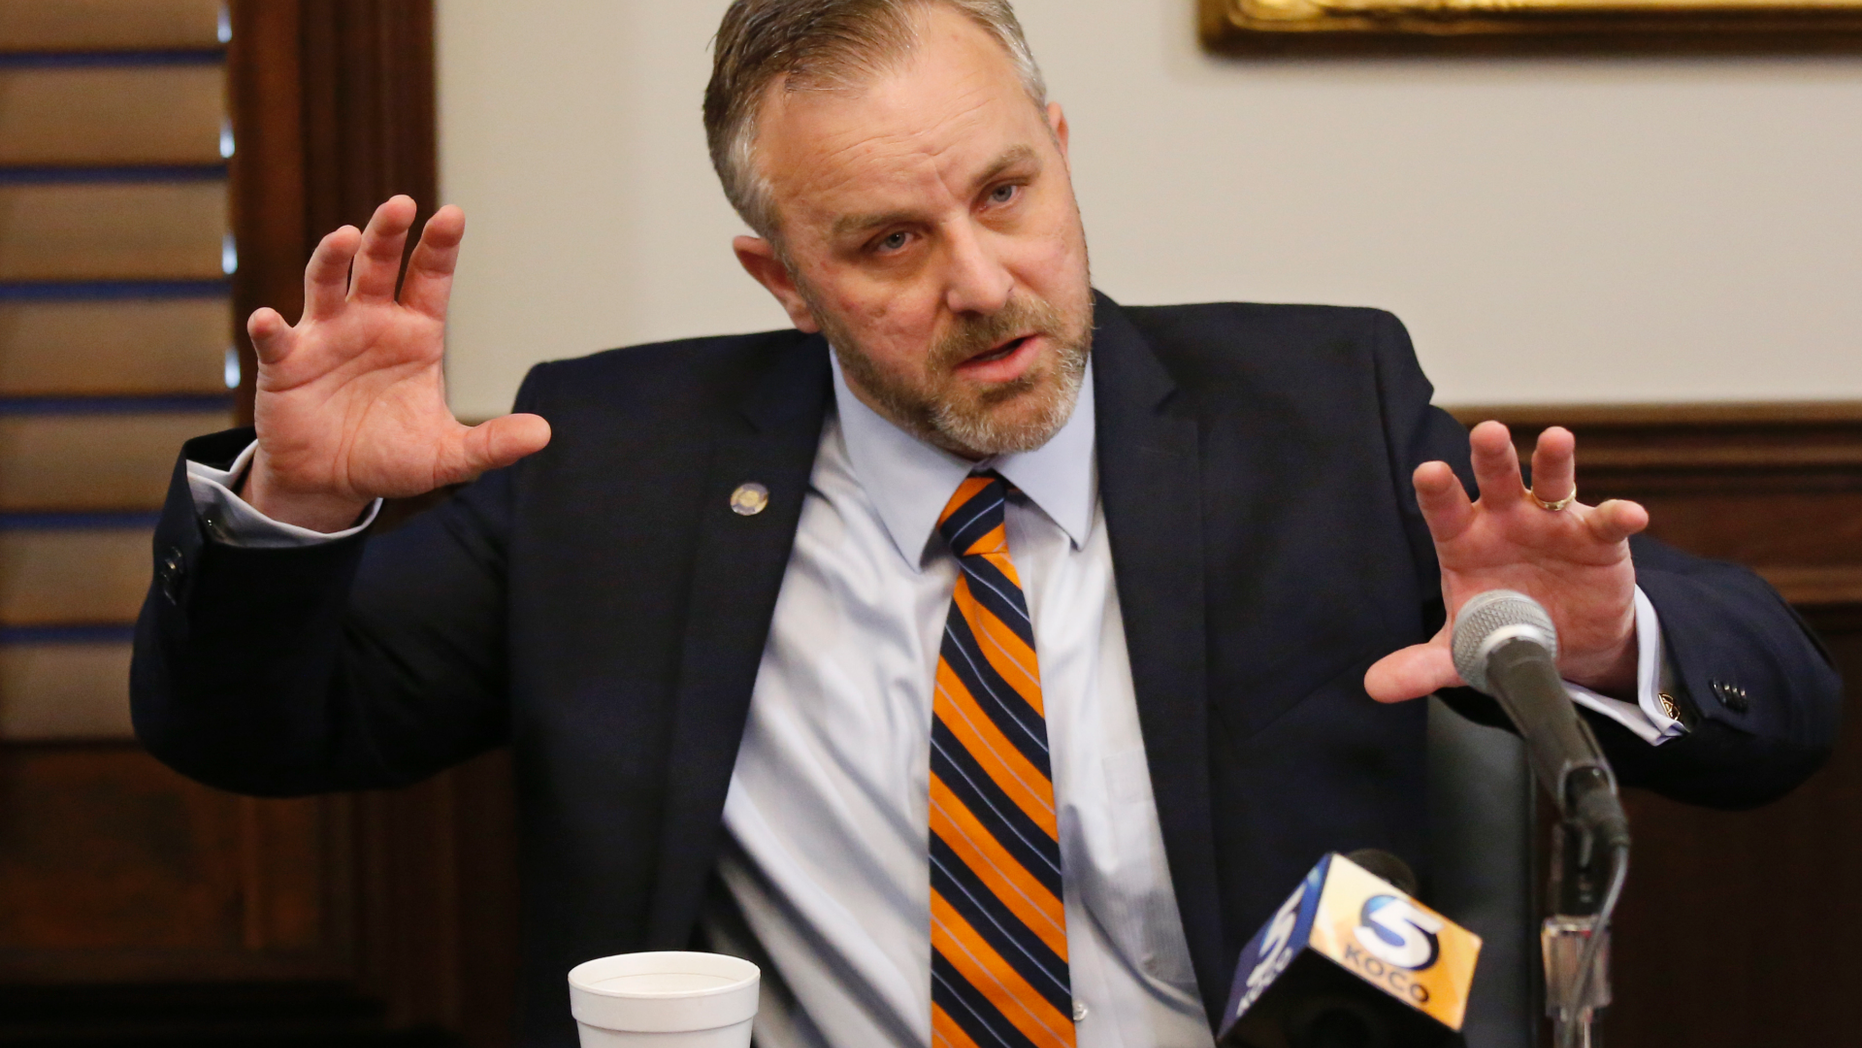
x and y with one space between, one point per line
1381 863
1507 612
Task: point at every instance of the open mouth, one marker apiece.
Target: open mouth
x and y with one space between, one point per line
1002 352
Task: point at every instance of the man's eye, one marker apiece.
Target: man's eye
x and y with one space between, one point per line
1003 193
892 241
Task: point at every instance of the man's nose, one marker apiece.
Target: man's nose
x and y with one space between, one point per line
977 280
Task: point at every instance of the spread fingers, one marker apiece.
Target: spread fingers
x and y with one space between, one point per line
1444 504
326 276
1496 466
1554 465
1616 519
378 263
271 336
430 269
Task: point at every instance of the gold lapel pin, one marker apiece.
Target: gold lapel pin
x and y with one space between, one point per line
749 499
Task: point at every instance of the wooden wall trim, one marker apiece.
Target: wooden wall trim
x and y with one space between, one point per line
1700 413
1777 487
1708 438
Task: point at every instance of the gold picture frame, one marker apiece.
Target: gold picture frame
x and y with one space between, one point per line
1272 26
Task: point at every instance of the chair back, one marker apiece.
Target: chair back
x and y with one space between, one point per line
1484 858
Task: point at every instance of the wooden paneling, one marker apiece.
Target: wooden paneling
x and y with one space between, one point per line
112 230
121 870
197 1015
94 461
1811 588
108 25
73 575
111 115
1739 928
165 875
64 691
1777 487
114 347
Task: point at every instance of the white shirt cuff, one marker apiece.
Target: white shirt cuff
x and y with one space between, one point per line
1644 716
236 523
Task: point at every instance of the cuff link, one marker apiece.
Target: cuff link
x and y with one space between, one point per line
1670 708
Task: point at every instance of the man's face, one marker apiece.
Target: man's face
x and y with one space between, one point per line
931 234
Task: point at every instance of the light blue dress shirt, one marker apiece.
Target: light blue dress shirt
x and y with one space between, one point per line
827 815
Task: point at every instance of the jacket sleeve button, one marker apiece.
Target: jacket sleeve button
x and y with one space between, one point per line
169 571
1730 696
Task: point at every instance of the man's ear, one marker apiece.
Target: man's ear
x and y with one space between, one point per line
758 257
1057 122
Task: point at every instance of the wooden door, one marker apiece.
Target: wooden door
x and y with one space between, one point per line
165 167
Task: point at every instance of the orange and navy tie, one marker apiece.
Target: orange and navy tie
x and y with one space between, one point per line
998 927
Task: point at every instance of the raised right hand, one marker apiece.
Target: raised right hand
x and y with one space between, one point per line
351 400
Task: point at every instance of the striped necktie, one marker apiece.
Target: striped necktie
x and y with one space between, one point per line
998 927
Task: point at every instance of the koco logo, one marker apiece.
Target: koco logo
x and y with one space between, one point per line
1276 952
1393 930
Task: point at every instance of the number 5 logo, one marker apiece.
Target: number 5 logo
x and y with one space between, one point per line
1394 931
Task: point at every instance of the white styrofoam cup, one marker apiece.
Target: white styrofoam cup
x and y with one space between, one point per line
671 999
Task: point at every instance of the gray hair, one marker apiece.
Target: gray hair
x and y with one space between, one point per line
818 45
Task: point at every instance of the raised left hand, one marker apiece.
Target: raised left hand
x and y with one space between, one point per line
1575 561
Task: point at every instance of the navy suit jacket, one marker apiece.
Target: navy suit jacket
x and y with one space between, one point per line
599 608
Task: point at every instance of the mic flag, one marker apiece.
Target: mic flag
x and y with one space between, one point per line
1350 960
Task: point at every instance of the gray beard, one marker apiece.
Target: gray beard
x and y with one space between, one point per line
971 426
988 435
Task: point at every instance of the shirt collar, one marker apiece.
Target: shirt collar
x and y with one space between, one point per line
910 481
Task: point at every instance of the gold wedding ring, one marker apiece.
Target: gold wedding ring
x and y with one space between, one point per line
1553 506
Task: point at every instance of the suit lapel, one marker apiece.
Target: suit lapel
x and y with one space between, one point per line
737 574
1149 484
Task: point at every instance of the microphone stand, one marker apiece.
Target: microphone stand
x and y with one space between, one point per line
1590 860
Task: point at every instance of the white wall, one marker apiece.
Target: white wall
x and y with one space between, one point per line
1575 230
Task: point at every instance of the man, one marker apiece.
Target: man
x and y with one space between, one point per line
983 658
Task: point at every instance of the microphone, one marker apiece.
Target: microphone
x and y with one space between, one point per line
1506 646
1382 864
1351 960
